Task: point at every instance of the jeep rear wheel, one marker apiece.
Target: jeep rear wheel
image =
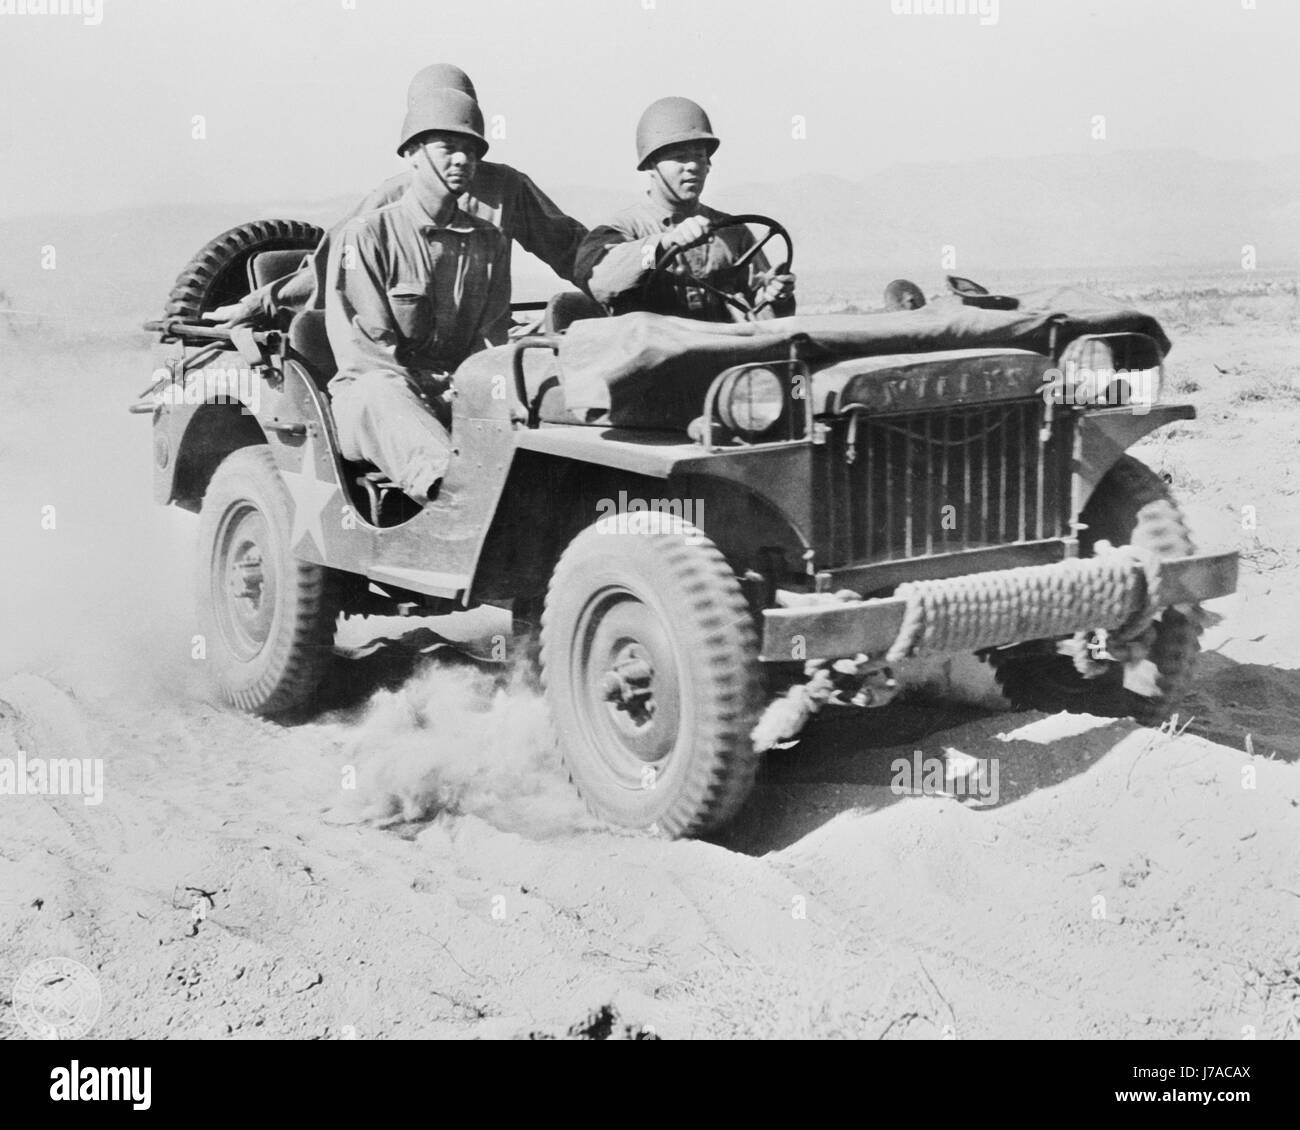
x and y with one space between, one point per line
1131 505
267 617
650 668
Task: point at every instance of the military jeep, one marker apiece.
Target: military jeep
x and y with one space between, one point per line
713 529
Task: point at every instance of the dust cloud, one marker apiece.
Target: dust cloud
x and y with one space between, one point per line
457 740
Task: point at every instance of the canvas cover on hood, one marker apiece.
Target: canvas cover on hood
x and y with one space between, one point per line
611 367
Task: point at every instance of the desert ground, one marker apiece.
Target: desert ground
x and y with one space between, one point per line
1128 882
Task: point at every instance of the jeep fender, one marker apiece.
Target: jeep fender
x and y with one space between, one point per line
205 419
751 502
1102 436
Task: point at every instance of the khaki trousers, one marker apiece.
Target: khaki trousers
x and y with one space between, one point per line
380 419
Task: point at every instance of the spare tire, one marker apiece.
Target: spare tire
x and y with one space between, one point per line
218 273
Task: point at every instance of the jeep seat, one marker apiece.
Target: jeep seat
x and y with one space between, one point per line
307 339
268 266
368 485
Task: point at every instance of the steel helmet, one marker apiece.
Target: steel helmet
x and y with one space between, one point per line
669 121
903 294
438 76
447 110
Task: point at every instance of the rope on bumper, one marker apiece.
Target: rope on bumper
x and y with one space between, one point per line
1117 591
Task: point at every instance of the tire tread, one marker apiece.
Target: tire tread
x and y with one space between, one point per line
723 770
303 648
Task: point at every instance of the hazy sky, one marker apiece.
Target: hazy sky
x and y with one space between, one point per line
304 98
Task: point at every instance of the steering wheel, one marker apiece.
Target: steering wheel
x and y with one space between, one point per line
660 273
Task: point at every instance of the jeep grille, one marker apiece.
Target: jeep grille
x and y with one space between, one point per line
892 475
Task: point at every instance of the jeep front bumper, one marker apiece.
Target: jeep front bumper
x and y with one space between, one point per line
1119 590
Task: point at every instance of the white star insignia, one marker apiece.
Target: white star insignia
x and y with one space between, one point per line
310 497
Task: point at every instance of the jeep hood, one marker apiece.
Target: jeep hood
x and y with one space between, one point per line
650 370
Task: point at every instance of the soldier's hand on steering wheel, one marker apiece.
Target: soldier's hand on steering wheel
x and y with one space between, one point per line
668 268
775 288
689 231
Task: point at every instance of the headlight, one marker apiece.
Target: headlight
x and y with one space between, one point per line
1111 371
1096 362
751 401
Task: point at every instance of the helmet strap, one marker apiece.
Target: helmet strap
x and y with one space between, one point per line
452 194
690 207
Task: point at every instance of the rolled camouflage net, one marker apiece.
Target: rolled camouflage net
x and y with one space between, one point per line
1116 591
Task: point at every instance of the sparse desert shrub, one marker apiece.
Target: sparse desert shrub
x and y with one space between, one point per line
1268 388
1179 382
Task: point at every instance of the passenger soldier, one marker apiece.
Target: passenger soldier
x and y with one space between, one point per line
413 287
502 195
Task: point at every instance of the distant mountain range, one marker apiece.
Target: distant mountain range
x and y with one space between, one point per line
1058 216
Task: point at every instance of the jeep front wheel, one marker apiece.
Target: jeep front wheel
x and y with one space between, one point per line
267 617
650 667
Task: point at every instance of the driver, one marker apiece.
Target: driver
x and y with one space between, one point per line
615 264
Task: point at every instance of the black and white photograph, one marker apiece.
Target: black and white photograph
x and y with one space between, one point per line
650 520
